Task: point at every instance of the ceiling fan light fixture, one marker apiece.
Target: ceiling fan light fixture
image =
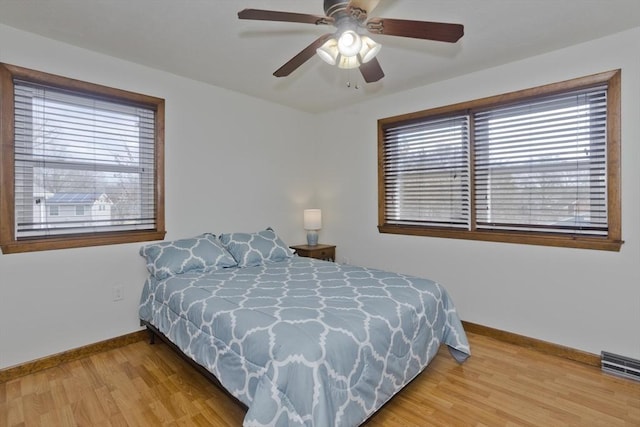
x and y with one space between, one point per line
369 49
349 43
328 52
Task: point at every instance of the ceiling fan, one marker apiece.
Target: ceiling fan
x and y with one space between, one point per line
347 48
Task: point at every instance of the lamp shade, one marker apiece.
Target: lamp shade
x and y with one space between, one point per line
348 62
369 49
312 219
328 52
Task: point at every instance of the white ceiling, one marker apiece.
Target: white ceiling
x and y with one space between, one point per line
204 40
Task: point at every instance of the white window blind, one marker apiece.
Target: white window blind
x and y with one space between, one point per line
82 164
541 165
426 172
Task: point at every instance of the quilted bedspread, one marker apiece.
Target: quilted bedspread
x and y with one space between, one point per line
305 342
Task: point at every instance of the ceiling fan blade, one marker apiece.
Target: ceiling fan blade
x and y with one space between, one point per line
272 15
371 71
438 31
360 9
302 57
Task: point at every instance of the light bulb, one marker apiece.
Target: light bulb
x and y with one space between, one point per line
349 43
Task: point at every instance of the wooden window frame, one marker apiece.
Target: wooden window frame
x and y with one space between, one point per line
8 242
612 242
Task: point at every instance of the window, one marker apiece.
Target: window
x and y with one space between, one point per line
539 166
82 164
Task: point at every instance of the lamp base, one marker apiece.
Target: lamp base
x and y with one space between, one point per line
312 237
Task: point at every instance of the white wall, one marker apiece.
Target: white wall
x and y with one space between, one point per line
585 299
233 163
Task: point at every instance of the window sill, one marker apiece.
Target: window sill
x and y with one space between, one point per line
66 242
581 242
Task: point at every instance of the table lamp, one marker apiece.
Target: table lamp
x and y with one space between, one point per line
312 223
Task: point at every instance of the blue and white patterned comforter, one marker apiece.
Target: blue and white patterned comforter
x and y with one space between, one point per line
305 342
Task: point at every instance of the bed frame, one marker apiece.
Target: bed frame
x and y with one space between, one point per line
154 332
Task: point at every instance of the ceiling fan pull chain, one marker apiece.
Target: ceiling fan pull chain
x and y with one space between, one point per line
349 75
356 86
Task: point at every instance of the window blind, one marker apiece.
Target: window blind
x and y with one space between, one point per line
541 164
82 164
426 172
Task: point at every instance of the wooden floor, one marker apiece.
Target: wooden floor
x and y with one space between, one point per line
500 385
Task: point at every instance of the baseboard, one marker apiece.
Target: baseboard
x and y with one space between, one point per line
11 373
535 344
47 362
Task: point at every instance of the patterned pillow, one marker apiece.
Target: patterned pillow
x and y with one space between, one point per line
251 249
203 253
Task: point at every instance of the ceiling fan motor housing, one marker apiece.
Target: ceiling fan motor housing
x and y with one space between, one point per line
344 19
335 8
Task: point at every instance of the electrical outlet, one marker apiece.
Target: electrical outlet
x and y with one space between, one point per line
118 293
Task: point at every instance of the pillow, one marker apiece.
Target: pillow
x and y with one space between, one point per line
251 249
203 253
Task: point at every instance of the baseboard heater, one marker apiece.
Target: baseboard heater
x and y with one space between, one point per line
620 365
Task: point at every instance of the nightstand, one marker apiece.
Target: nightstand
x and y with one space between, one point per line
324 252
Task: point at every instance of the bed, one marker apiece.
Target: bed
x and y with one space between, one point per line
299 341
